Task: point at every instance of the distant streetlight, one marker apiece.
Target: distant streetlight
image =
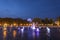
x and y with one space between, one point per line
5 25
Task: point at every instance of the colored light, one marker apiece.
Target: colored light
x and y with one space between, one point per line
14 33
5 25
48 30
22 30
37 29
18 28
33 28
4 34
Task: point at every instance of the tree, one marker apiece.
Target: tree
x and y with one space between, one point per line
51 21
46 21
37 20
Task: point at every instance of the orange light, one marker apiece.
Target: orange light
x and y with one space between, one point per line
24 24
21 24
30 24
27 24
4 34
5 25
14 24
14 33
0 24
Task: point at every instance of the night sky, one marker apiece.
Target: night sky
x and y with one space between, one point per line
30 8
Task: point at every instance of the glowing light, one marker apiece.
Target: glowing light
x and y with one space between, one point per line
14 24
18 28
48 30
33 34
37 29
4 34
21 24
11 25
22 29
27 24
29 19
30 24
33 26
24 24
4 29
14 33
0 24
5 25
37 33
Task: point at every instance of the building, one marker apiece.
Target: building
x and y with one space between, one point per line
58 23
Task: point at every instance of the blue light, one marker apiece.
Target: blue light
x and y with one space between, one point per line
18 30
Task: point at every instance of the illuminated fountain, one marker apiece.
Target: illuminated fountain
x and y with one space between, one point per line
33 26
48 31
37 29
22 31
5 26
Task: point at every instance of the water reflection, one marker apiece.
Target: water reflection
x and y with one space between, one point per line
14 33
28 34
5 29
33 33
48 31
4 34
37 33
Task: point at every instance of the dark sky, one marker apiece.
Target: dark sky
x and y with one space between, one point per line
30 8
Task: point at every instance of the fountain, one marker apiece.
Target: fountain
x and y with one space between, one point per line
33 26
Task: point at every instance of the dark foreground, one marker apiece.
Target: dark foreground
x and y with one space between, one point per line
29 34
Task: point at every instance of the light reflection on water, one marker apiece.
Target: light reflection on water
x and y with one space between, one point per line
4 34
22 33
33 34
14 33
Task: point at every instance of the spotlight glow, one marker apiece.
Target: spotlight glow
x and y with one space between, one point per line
48 30
33 28
37 29
22 30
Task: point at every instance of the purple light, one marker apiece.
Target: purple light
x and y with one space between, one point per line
18 28
37 29
22 29
33 28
